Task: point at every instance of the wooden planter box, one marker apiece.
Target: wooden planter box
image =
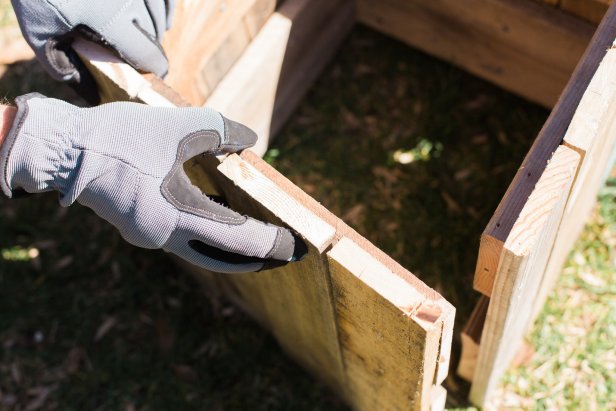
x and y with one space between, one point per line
350 314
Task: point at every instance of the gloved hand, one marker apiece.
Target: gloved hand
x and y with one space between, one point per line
124 161
133 28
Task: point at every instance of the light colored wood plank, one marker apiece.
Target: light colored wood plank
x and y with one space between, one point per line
527 48
116 80
387 328
593 134
294 302
282 62
447 311
520 271
550 136
288 209
222 60
200 31
394 283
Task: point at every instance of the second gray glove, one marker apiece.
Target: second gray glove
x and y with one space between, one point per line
132 28
124 161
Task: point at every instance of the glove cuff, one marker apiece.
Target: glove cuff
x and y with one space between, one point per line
32 158
9 142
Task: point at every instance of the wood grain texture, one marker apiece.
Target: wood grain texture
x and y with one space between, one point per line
447 311
550 136
206 38
592 133
393 283
296 302
378 309
275 72
520 272
527 48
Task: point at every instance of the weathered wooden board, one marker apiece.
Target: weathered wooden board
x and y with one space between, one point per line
531 256
378 309
305 303
283 60
527 48
592 133
551 135
398 300
520 272
206 38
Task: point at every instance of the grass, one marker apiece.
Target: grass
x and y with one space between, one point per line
413 153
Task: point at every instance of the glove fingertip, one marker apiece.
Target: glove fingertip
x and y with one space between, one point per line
300 250
237 136
289 247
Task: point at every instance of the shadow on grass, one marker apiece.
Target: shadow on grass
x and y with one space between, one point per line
411 152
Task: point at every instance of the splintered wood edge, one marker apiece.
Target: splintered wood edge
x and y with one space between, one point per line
549 138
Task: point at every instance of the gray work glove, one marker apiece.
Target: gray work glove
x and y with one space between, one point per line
132 28
124 161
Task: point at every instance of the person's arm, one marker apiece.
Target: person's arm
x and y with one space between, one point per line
7 114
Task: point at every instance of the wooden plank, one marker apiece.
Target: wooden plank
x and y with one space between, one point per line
222 60
550 136
527 48
297 301
593 134
591 10
378 309
248 172
286 57
519 276
471 338
447 311
200 38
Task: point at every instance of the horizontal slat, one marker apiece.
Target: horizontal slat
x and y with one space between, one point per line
527 48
